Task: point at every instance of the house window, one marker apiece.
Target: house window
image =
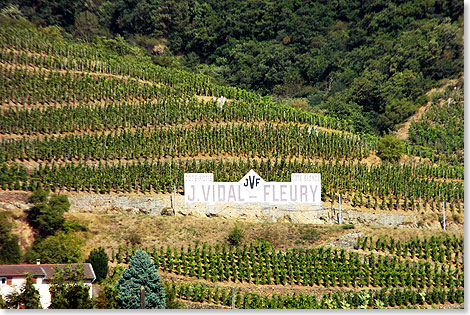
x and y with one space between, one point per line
3 281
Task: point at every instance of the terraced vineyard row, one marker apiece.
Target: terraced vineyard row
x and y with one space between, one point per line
306 267
22 46
23 86
440 132
243 140
438 249
164 110
387 187
408 298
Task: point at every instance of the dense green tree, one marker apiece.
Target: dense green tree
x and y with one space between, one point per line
99 260
87 26
10 251
55 249
140 272
47 214
108 295
390 148
38 196
29 294
58 12
68 290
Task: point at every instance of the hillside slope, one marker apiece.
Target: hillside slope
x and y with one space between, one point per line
77 118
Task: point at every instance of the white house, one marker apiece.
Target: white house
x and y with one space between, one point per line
12 278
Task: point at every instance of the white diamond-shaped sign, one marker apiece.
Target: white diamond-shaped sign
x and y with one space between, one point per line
252 181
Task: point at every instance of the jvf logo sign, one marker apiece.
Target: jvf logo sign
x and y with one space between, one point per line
304 188
252 181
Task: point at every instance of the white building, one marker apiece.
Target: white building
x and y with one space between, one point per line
12 278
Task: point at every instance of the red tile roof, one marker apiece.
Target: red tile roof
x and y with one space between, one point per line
43 270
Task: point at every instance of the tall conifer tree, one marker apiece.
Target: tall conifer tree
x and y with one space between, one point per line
141 272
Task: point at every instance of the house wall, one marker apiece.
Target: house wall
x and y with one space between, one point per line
41 286
18 282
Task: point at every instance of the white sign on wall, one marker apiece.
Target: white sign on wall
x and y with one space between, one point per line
304 188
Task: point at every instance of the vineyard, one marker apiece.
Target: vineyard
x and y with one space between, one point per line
117 109
400 298
440 132
80 118
377 274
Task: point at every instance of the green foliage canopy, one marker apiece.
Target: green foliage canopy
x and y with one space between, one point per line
10 252
56 249
68 290
99 260
390 148
47 214
28 296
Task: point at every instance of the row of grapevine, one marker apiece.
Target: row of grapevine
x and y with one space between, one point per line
181 82
386 182
24 87
21 45
307 267
441 129
408 298
448 249
31 48
243 140
167 109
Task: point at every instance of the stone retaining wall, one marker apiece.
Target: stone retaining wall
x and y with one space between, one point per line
155 205
258 212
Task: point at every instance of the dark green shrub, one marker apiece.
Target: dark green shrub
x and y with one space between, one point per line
236 236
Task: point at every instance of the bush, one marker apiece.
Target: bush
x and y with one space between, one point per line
171 301
47 214
99 260
309 234
10 252
236 236
56 249
28 296
134 238
390 148
68 290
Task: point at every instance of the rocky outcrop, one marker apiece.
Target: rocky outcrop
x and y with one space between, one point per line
346 241
379 218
